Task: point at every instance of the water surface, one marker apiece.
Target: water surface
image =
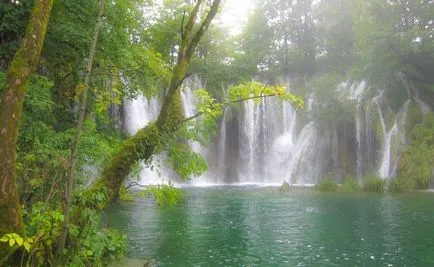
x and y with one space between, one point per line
247 226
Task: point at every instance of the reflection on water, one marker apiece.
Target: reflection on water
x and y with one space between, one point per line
246 226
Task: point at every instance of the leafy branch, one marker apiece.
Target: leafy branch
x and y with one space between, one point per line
240 93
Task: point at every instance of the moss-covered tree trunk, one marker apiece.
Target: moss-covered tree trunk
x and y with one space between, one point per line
19 71
146 141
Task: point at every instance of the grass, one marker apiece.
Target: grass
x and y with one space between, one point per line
327 185
372 183
350 184
401 185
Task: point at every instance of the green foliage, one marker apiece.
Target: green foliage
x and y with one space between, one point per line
256 91
416 162
2 80
331 107
90 243
15 240
43 219
13 21
401 184
186 162
350 184
166 195
125 194
43 228
327 185
96 148
44 147
284 187
373 183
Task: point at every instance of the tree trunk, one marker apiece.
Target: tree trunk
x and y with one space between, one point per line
74 149
150 139
19 71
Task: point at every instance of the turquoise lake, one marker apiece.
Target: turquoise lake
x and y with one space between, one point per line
257 226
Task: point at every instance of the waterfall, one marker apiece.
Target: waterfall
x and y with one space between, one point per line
249 141
271 142
138 113
222 148
356 93
189 103
300 156
387 164
358 120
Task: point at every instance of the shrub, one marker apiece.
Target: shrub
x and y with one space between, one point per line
285 187
372 183
416 162
164 194
401 184
327 185
350 185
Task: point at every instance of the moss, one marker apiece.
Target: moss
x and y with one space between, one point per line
141 146
172 112
20 69
414 117
389 119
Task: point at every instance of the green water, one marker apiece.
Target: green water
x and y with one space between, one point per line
241 226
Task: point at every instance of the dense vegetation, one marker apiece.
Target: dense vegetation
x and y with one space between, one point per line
147 48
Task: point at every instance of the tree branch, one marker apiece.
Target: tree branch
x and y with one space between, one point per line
134 184
203 27
191 19
227 104
182 24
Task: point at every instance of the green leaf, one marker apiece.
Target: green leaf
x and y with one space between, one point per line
27 246
11 242
19 240
4 238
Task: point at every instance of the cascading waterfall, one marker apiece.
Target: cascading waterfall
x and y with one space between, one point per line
299 160
356 93
141 111
271 142
388 165
249 141
270 148
189 103
222 147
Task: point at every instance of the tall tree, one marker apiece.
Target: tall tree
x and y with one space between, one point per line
19 71
146 141
82 112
